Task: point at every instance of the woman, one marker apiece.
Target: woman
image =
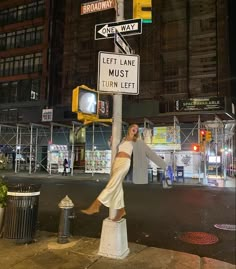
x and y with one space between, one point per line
65 165
113 196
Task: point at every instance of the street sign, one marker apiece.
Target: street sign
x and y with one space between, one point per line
127 27
200 104
122 44
118 73
97 6
47 115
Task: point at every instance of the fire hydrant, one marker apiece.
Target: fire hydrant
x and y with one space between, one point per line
67 214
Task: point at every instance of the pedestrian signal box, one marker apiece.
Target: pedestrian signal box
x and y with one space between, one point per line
86 103
142 9
85 100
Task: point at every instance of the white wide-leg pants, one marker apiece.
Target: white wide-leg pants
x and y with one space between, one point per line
113 195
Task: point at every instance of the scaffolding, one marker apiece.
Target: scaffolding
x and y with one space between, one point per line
27 144
32 140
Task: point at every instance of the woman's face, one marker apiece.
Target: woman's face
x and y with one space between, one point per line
133 129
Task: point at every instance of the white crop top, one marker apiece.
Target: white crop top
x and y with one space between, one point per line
126 146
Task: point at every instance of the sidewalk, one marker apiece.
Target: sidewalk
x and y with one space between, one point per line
81 252
213 181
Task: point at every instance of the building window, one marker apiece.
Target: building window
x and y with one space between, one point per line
9 63
4 17
26 64
35 90
29 63
7 115
22 38
12 94
20 91
18 65
2 64
10 41
12 15
38 62
2 41
23 12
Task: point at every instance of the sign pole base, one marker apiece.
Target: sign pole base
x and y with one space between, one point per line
113 242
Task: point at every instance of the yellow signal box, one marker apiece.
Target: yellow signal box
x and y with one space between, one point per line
142 9
75 100
208 136
85 104
85 100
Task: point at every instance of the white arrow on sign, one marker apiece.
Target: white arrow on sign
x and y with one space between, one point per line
106 30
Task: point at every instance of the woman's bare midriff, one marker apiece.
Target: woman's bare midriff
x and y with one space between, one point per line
122 155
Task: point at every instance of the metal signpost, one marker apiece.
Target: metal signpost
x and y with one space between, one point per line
117 74
127 27
122 44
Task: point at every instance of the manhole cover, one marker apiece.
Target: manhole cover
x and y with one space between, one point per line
199 238
227 227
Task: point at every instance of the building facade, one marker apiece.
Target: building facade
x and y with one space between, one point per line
30 58
48 48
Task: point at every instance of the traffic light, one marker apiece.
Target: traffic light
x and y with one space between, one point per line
142 9
196 147
208 136
203 135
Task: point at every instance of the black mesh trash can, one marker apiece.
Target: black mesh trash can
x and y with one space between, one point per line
21 212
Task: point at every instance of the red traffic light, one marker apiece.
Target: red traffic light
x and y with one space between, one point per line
203 135
196 147
203 132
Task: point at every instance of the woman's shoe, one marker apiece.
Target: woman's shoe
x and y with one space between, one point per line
94 208
120 213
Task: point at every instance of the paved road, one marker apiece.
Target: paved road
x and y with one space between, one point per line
155 216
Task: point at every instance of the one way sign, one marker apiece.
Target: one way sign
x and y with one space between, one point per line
127 27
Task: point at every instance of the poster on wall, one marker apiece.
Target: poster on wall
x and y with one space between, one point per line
56 156
166 138
190 161
98 161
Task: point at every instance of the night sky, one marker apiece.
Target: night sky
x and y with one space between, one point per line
232 46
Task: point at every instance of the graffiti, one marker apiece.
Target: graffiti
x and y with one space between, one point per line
186 160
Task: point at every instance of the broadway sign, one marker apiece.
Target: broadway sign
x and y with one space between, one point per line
96 6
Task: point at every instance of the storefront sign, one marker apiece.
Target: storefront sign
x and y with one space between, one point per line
47 115
202 103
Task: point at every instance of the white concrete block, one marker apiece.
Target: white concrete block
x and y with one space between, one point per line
114 242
